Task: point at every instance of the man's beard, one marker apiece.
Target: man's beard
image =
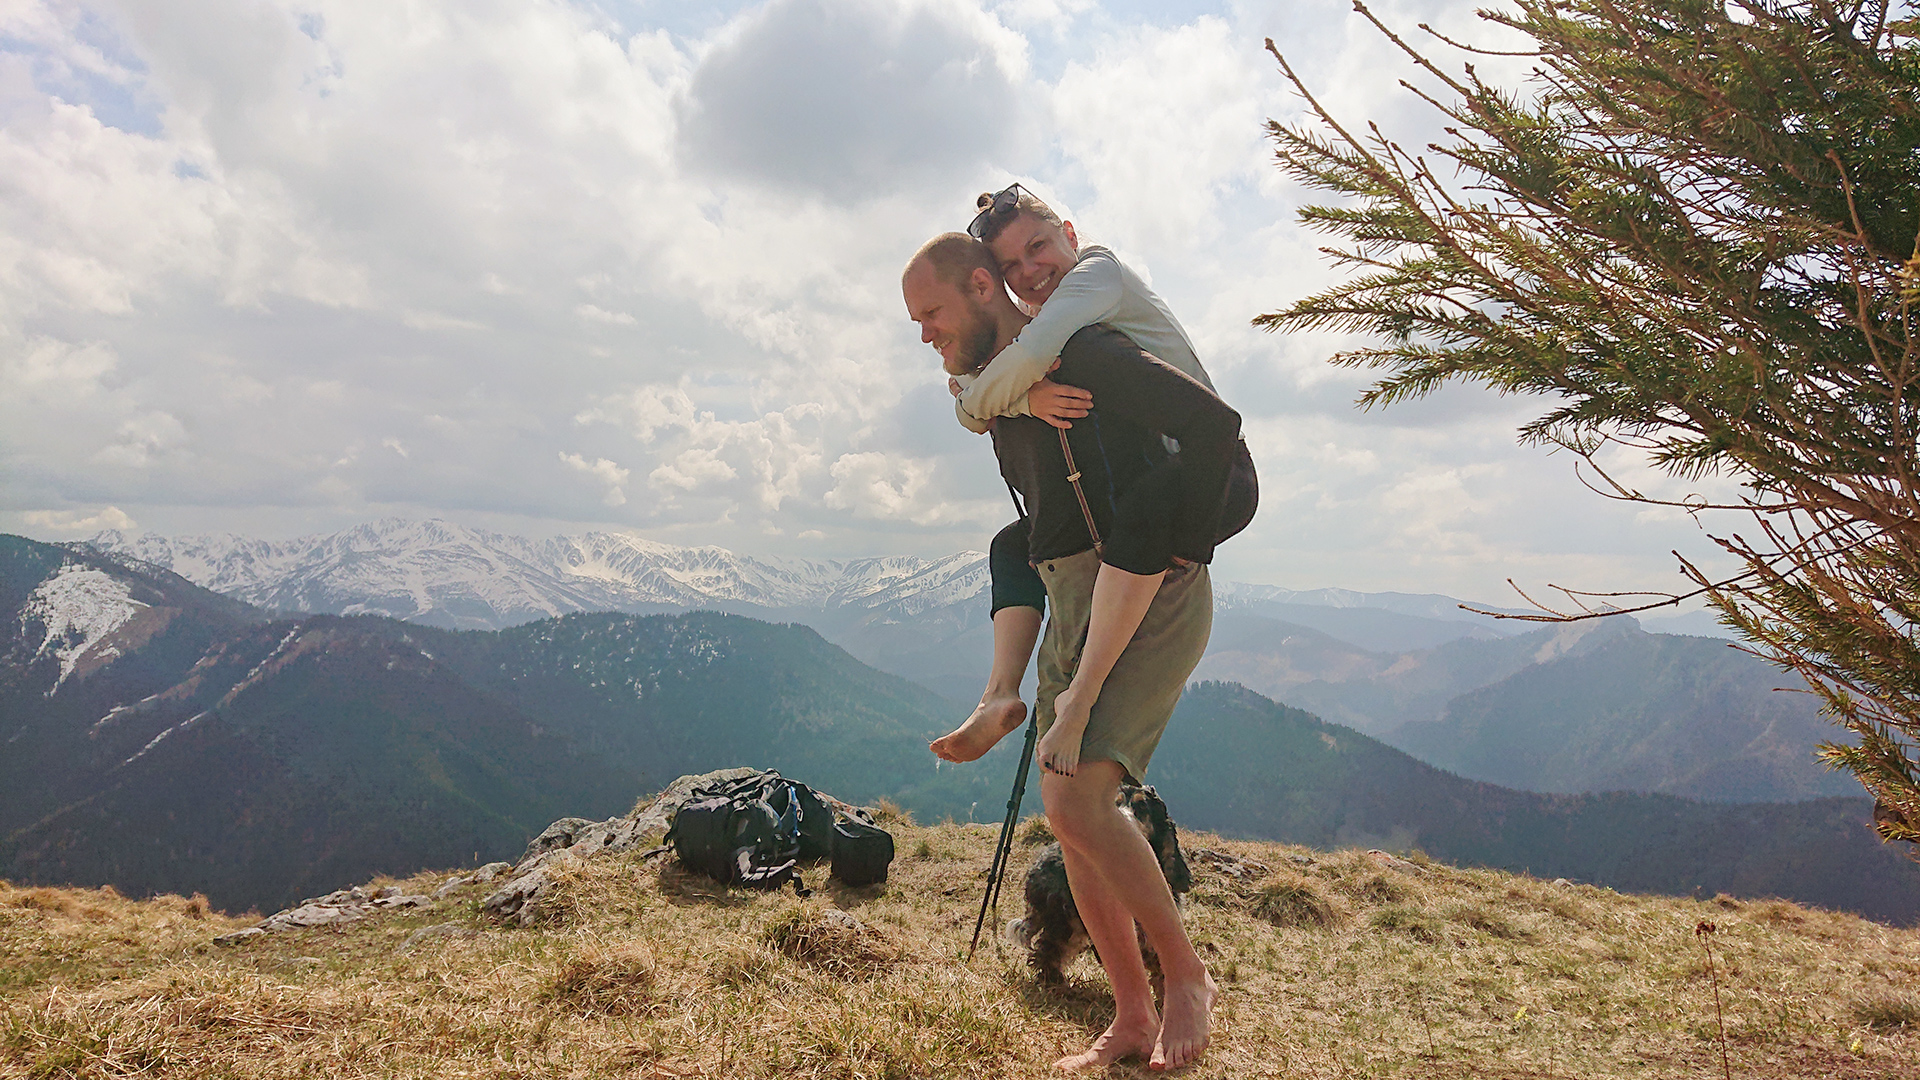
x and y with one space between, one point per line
977 342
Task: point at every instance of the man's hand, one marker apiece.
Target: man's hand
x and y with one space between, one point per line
1058 405
953 386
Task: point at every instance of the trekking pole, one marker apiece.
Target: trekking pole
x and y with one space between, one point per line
1004 847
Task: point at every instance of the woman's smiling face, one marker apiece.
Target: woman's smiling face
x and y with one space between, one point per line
1035 255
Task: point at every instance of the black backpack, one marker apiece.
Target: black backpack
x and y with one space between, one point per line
753 831
861 851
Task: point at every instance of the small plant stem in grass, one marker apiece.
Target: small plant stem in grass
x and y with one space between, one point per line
1704 931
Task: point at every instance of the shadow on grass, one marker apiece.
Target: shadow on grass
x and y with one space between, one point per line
682 888
848 897
1079 1000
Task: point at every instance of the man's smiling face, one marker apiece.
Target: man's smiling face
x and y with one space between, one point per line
952 320
1034 255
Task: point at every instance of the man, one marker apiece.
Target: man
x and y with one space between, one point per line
1170 506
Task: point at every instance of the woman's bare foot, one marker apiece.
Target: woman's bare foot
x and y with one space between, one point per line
1059 749
1134 1039
1183 1033
992 720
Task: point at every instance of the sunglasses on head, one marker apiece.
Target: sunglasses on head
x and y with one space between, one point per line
1003 204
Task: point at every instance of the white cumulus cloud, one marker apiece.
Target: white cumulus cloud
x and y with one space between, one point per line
608 473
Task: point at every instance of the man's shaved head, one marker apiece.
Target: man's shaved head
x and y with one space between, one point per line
954 291
954 257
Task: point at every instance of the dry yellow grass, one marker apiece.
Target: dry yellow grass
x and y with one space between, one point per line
1337 968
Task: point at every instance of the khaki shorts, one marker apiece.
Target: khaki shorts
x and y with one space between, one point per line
1138 697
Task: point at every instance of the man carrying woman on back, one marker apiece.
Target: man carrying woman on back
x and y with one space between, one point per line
1066 286
1115 534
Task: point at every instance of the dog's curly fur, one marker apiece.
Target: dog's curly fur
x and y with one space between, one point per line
1052 932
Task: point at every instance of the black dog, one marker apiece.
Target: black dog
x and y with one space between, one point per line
1052 932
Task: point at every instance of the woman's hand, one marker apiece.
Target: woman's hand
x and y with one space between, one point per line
1056 404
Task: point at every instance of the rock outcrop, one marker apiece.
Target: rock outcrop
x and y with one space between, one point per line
571 841
565 843
342 906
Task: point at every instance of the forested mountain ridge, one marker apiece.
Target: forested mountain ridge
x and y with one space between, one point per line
262 760
1237 763
250 759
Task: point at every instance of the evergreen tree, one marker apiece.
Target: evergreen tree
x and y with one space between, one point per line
1695 231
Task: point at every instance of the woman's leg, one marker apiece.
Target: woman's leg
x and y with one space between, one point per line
1015 630
1019 603
1120 601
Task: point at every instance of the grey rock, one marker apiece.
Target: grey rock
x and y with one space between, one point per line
414 901
841 919
491 872
453 885
658 814
438 930
569 841
239 936
386 892
315 915
517 900
1392 862
560 834
1231 865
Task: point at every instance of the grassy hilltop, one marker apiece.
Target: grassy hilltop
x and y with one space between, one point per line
1331 965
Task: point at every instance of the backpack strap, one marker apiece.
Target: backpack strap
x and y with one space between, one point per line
1073 477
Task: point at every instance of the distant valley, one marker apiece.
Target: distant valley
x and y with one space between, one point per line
160 736
1583 707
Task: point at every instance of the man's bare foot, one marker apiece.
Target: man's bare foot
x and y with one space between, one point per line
1183 1032
1134 1039
992 720
1059 749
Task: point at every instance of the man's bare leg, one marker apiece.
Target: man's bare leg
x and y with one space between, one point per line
1127 877
1015 630
1120 601
1135 1021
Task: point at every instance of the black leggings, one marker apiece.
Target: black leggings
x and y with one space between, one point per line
1015 582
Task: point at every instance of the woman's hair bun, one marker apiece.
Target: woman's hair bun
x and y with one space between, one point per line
985 200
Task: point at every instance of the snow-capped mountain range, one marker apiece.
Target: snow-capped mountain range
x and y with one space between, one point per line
442 574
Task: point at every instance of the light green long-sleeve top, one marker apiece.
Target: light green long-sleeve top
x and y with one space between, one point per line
1099 289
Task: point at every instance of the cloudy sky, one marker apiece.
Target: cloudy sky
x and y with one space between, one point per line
278 268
